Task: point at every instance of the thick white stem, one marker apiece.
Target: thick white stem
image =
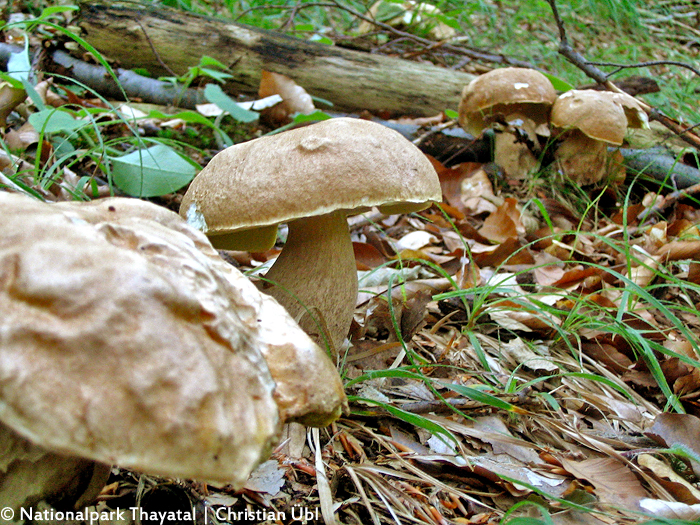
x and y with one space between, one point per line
316 276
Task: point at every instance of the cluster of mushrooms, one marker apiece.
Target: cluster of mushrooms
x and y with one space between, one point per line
521 106
126 340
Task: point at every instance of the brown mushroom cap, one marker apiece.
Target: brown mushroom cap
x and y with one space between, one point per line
124 342
592 112
312 178
340 164
506 90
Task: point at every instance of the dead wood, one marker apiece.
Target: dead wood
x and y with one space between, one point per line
141 36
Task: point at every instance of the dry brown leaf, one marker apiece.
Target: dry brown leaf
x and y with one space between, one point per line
267 478
607 355
615 484
495 430
523 353
677 430
367 256
516 316
10 98
451 181
504 223
509 251
680 250
415 240
477 193
678 487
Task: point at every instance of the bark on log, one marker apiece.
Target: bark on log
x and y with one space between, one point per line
128 32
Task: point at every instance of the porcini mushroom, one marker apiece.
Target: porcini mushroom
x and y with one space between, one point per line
588 122
310 178
516 102
125 339
308 388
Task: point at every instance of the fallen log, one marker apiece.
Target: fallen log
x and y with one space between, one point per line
142 36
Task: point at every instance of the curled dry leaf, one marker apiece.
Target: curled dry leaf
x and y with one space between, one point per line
671 481
671 509
295 99
504 223
477 194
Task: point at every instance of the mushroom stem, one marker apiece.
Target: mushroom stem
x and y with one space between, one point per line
316 277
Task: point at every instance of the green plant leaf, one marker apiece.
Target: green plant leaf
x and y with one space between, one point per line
151 172
414 419
217 75
207 61
214 94
321 39
192 117
55 10
449 21
54 121
481 397
558 83
317 115
4 77
18 65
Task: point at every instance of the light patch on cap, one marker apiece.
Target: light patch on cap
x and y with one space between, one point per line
196 219
521 85
314 142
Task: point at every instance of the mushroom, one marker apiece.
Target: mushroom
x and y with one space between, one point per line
588 122
310 178
515 102
308 388
125 339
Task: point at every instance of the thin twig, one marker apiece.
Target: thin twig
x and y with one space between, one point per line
295 8
668 200
155 53
647 64
572 55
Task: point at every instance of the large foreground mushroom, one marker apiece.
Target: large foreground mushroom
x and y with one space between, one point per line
311 178
125 339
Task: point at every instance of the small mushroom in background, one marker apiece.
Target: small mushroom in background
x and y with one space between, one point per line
310 178
515 102
588 122
125 339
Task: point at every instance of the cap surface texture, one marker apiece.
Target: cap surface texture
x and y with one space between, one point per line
337 164
508 89
123 341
